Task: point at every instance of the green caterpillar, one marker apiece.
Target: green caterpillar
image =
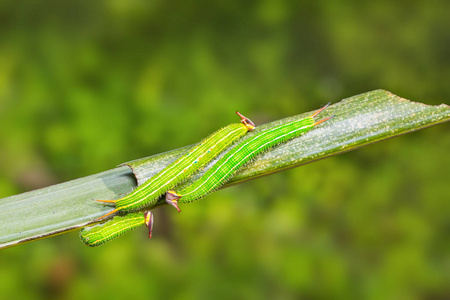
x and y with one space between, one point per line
239 156
119 225
146 195
221 172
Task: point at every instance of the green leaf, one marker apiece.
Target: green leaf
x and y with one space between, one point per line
358 121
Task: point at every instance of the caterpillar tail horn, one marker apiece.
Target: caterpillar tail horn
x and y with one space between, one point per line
111 212
320 110
323 120
107 201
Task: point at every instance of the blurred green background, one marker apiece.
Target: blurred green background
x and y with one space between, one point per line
85 86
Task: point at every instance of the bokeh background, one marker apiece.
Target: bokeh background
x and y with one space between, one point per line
87 85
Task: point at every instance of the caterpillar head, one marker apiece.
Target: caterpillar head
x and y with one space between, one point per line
246 121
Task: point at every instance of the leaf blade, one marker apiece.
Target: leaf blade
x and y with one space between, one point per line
360 120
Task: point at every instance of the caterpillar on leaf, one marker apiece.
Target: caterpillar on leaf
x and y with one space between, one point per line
240 155
99 234
222 171
147 194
